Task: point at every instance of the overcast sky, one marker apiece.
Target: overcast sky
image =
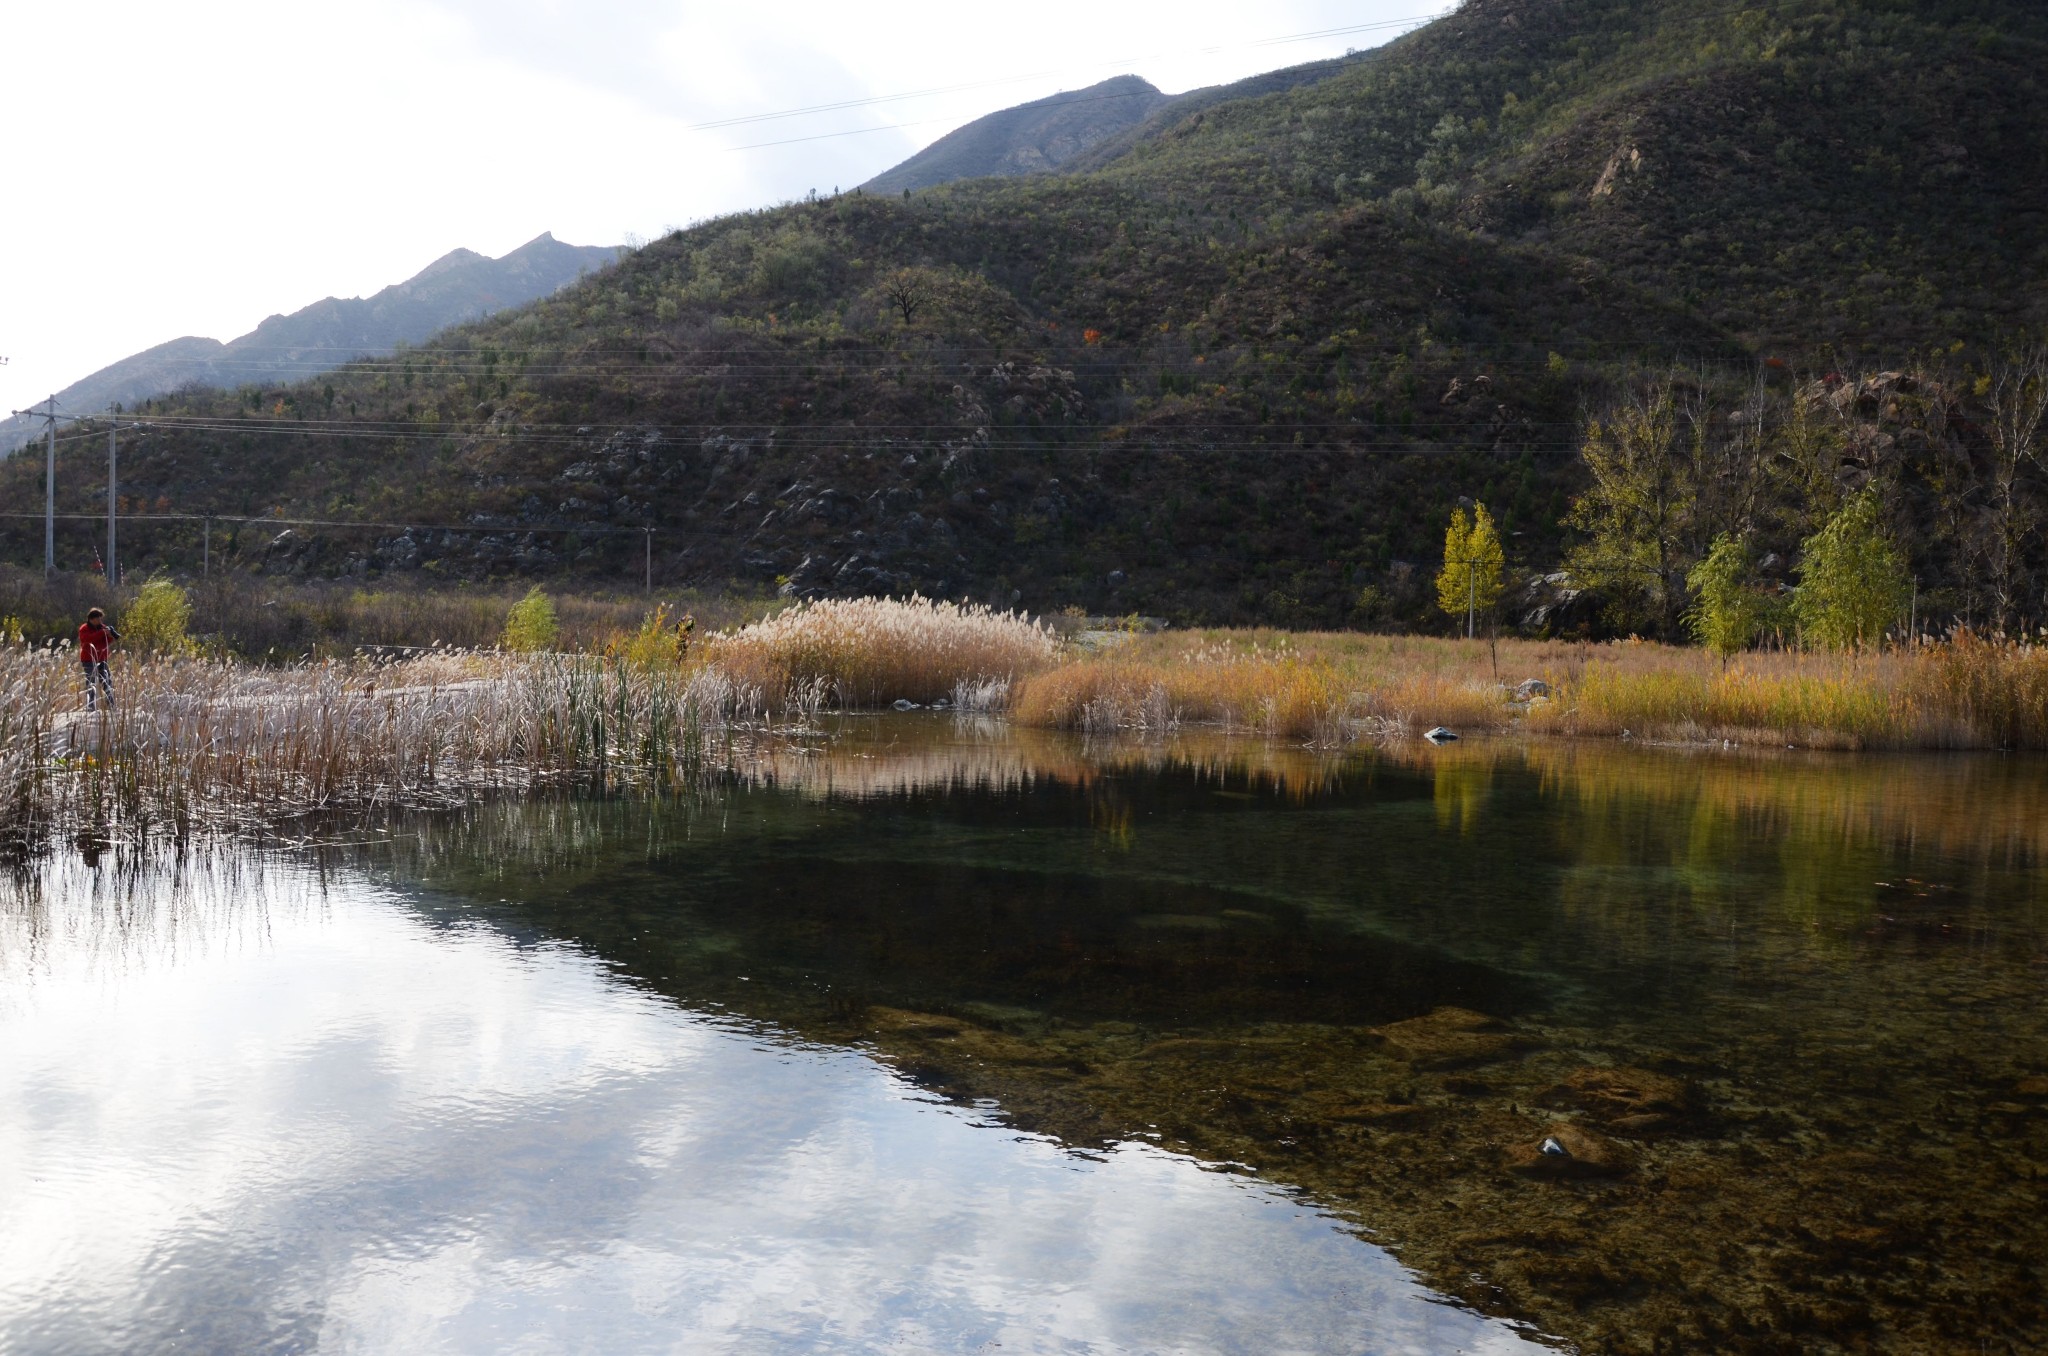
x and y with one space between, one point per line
193 168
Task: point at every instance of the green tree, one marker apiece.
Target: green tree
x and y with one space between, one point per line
531 625
159 619
1668 477
1726 613
1852 581
1470 581
1637 517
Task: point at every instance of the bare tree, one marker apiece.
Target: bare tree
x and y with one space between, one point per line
909 290
2018 398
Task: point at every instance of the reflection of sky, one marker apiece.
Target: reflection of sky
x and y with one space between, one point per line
266 1117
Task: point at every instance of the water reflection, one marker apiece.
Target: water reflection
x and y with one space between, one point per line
260 1106
1787 1008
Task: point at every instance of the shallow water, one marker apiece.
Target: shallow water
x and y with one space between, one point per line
945 1037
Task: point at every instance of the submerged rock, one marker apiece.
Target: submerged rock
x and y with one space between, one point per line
1447 1038
1626 1101
1568 1151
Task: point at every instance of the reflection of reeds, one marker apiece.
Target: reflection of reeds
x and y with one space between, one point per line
942 757
1986 809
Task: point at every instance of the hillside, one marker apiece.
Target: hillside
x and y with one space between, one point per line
1238 363
1032 138
461 285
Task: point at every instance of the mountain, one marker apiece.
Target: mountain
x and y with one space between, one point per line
459 286
1031 138
1235 362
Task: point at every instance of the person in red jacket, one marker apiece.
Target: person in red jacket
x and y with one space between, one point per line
95 640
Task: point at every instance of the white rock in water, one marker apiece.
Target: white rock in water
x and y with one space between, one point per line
1440 735
905 704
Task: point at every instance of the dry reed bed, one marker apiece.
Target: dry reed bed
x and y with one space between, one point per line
194 745
1962 693
197 745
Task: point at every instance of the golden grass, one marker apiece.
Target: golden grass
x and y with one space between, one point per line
1317 688
1963 693
868 652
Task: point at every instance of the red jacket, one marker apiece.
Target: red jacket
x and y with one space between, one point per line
93 639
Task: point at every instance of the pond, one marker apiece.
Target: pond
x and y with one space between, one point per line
934 1035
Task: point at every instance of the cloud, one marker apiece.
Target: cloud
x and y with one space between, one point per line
277 1110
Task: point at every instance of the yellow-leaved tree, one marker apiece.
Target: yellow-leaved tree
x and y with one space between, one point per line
1470 581
531 626
159 619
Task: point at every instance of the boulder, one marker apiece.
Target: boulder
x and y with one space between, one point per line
1447 1038
1531 688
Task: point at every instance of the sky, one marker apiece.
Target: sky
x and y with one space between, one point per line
193 168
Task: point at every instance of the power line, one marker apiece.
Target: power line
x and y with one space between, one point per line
873 100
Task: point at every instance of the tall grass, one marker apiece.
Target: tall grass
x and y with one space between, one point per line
1318 689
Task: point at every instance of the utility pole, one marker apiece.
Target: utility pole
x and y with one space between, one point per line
1471 597
50 494
49 483
650 561
113 490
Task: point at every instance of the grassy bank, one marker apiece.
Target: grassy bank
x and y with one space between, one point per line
1961 693
200 744
197 745
253 618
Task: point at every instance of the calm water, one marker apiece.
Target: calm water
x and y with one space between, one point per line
937 1037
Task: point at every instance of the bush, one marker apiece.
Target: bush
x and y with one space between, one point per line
159 619
661 642
531 625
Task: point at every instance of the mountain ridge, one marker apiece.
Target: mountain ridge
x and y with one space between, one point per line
459 286
1031 138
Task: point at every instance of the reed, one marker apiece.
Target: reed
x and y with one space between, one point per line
868 652
195 746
